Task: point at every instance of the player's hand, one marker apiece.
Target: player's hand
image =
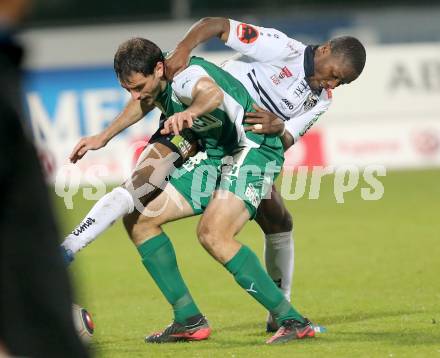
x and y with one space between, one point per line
85 144
176 62
264 122
177 122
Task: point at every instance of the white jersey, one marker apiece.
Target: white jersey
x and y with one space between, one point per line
273 68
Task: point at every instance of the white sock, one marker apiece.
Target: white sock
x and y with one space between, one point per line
279 258
104 213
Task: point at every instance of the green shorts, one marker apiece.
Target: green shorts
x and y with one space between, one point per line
248 173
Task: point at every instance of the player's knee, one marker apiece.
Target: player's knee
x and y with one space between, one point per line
282 223
204 234
209 238
274 218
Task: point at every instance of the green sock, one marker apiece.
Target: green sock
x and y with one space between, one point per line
159 259
250 275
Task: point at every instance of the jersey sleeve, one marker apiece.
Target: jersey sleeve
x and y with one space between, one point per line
260 43
298 126
185 81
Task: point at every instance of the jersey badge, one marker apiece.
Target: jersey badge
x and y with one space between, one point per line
246 33
311 101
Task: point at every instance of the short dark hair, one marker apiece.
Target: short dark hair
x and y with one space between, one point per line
136 55
352 50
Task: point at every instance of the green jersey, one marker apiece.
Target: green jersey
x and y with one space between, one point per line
221 131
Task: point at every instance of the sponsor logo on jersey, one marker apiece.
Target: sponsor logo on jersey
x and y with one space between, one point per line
252 195
191 163
314 119
246 33
311 101
284 73
275 79
302 87
205 123
287 103
183 145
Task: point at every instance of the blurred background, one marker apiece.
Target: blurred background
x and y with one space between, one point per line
387 117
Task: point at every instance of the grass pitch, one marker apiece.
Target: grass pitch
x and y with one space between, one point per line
367 270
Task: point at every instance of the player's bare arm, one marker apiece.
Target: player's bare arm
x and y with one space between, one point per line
264 122
206 95
132 113
200 32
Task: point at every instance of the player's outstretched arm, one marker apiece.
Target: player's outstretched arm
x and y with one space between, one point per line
200 32
132 113
206 96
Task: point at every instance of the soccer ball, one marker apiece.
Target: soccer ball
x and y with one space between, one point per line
83 323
